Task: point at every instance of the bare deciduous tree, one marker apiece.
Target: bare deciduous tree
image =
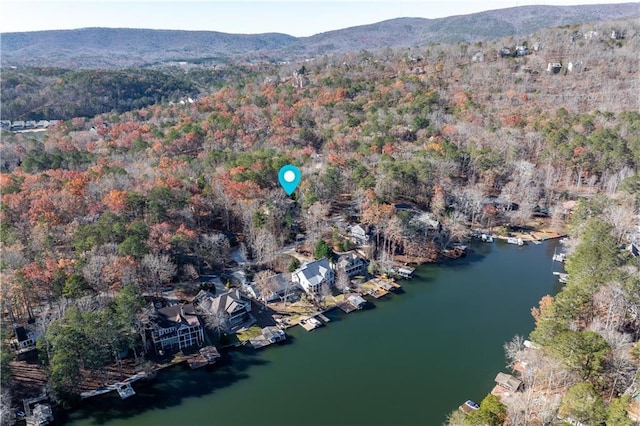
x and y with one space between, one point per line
263 282
342 280
158 269
214 249
315 219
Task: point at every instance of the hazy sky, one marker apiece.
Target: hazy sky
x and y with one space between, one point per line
298 18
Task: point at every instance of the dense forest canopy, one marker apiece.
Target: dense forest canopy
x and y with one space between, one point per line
54 93
100 210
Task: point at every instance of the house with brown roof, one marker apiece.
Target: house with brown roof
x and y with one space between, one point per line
508 382
176 327
231 305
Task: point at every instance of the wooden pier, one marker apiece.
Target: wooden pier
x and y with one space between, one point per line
310 323
347 307
324 318
206 356
378 287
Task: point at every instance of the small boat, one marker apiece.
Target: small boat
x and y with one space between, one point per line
516 241
559 257
469 407
562 277
486 238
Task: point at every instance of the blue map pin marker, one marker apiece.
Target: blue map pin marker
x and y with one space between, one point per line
289 177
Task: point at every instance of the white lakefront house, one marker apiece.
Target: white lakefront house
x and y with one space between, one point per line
312 275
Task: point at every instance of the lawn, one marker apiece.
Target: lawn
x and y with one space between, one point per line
250 333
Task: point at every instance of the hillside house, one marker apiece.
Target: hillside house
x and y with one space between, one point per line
590 34
360 234
24 339
230 305
312 275
522 50
352 264
617 35
554 67
278 287
478 57
508 382
505 52
176 327
5 124
17 125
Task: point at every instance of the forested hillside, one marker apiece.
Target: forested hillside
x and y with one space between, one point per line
100 211
55 94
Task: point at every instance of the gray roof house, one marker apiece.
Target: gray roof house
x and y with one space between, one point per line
279 287
359 234
176 327
352 264
229 303
509 382
311 275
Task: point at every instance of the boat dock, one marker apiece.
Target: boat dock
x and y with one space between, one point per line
516 241
562 277
310 323
269 336
206 356
378 287
559 257
125 390
347 307
323 318
115 386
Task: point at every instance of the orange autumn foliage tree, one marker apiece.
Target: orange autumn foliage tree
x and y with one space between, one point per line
544 308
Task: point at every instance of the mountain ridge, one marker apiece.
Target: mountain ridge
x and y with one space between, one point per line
100 47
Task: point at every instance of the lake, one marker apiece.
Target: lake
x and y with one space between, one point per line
409 360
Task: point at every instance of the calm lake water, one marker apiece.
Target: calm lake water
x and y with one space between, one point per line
409 360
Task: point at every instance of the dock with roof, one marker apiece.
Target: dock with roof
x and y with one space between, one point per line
378 287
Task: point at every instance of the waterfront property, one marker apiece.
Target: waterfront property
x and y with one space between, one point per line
269 336
352 264
406 272
125 390
229 306
356 301
312 275
206 356
468 407
508 382
176 327
310 323
41 415
516 241
419 395
278 287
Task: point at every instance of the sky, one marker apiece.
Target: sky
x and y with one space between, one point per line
298 18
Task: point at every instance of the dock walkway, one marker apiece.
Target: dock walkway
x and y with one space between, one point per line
310 323
378 287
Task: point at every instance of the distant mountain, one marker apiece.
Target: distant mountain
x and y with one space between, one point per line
122 47
112 48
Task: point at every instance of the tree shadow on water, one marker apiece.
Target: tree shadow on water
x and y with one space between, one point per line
168 389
